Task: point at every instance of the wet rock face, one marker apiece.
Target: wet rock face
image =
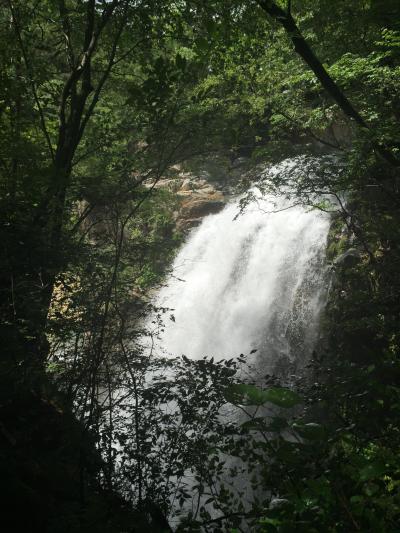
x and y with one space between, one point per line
195 208
198 207
198 198
349 259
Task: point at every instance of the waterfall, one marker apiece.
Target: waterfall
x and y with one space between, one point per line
247 281
250 282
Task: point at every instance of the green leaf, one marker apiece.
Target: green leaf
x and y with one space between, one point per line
277 423
282 397
242 394
180 62
310 431
371 489
257 424
272 521
372 470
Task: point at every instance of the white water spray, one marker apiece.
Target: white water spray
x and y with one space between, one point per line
252 282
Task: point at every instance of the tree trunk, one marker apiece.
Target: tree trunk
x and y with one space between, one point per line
306 53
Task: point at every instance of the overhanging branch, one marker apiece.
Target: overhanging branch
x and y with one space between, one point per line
307 54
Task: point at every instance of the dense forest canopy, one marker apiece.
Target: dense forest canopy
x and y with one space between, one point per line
100 100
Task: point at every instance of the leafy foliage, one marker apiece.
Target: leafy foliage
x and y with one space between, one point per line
98 101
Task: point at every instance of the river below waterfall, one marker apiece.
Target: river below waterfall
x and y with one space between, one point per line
249 281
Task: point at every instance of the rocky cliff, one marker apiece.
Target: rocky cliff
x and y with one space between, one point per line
197 197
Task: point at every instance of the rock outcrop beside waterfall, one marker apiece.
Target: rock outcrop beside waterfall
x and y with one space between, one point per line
197 197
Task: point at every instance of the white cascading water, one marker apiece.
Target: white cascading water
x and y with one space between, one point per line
250 282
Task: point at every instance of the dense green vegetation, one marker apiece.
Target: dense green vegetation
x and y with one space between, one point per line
99 100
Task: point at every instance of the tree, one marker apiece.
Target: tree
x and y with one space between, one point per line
63 107
284 17
97 100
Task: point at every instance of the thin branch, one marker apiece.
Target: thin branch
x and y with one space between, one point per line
67 32
31 79
309 131
305 51
106 74
126 54
90 44
86 212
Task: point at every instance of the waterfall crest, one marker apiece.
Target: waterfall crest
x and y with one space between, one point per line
249 282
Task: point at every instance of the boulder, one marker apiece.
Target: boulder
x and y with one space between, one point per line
198 207
186 185
208 190
183 224
349 258
197 197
